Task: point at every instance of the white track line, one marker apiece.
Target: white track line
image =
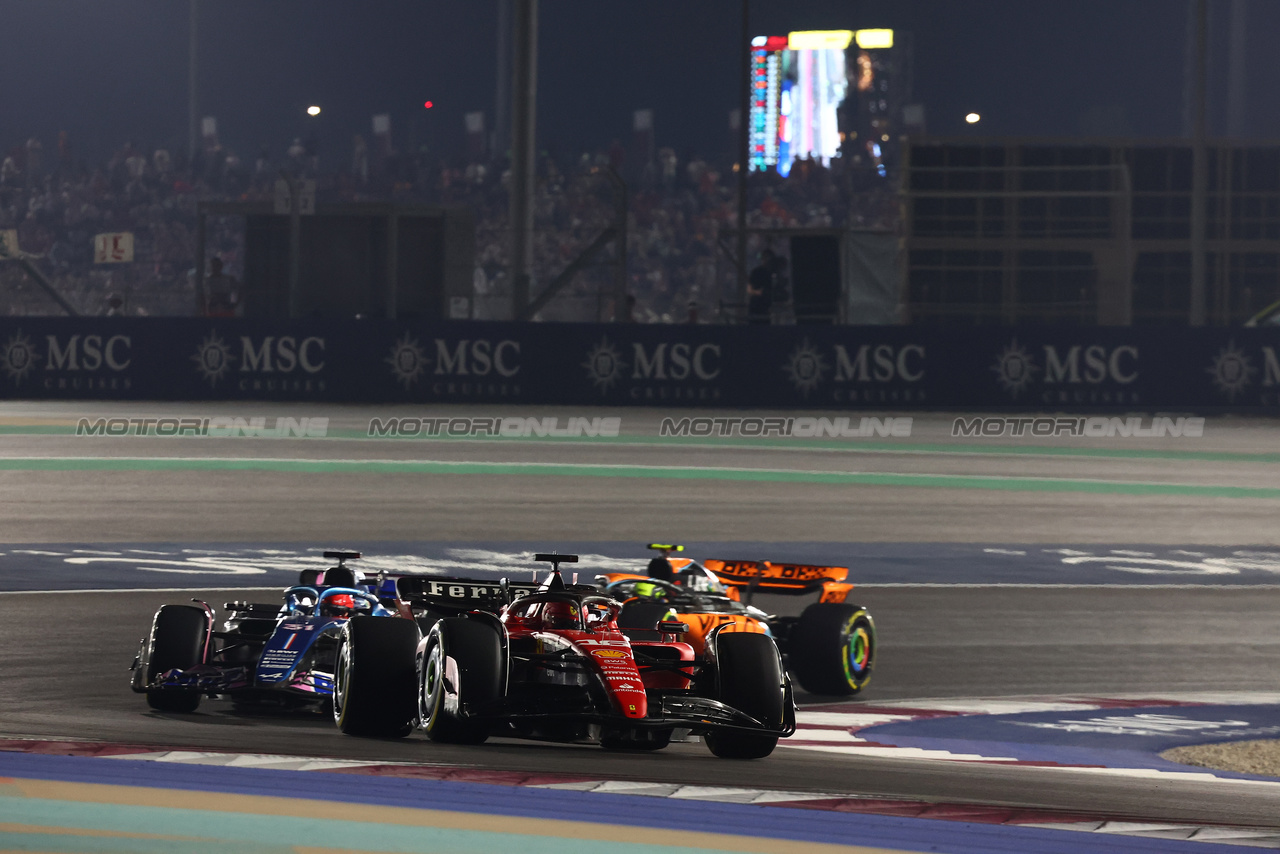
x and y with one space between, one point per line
875 586
870 586
136 590
248 462
1066 585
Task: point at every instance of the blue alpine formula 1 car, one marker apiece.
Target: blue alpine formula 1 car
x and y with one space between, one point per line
277 654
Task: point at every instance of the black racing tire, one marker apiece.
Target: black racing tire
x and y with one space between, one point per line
751 681
178 636
833 649
375 677
477 650
427 618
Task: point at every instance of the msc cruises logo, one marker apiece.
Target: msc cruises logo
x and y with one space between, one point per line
212 358
1014 368
858 372
274 356
604 365
18 358
477 360
806 367
1070 373
407 361
1232 371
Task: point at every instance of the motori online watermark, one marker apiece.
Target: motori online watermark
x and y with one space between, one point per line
510 427
218 427
796 427
1093 427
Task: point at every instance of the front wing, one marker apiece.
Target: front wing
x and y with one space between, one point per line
667 710
207 679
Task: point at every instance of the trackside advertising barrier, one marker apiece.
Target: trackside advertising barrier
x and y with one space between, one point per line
827 367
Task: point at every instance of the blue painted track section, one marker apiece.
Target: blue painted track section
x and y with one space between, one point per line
898 834
75 566
1114 738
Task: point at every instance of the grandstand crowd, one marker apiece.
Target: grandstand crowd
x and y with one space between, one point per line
678 214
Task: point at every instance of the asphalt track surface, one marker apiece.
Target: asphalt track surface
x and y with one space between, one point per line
65 655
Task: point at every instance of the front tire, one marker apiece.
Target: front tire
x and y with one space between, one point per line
751 681
476 679
373 682
178 637
833 649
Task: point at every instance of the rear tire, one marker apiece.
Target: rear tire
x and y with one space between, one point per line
426 620
751 681
178 636
477 651
833 649
375 678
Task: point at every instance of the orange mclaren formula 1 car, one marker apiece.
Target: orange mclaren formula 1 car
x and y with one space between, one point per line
830 647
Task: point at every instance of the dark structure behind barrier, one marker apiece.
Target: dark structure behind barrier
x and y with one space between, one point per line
833 275
1005 231
368 260
815 277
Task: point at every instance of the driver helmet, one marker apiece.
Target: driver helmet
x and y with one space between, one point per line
649 590
340 605
560 615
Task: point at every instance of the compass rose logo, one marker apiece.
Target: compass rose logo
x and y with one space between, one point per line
1014 368
805 367
213 358
604 365
407 361
18 357
1232 370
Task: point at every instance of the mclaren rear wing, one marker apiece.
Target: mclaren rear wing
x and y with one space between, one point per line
786 578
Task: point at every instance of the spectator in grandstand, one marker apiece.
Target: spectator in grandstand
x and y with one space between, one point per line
781 287
35 160
297 153
9 172
760 286
222 292
679 211
360 160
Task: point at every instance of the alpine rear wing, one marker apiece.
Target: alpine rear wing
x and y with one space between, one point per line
786 578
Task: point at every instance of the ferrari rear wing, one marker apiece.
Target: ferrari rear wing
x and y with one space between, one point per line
463 594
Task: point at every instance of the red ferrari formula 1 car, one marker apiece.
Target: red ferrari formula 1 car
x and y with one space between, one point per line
554 665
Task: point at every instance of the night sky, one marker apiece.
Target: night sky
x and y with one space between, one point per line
111 71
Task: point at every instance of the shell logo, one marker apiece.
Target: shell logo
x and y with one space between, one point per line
609 653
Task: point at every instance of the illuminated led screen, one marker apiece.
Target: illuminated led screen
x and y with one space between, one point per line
798 83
